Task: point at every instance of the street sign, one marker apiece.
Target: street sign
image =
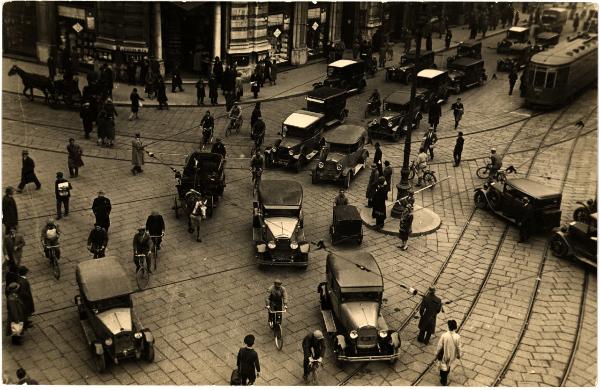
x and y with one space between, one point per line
277 33
315 26
77 27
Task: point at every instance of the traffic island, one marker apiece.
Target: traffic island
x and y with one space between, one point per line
425 221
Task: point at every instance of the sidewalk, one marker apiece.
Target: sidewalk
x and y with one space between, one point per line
291 82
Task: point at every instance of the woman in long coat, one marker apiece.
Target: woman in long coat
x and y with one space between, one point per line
274 71
103 123
372 185
137 154
213 93
379 203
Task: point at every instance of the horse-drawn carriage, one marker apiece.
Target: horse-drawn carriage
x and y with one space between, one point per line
55 91
66 91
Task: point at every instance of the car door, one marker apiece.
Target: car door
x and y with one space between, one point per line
512 204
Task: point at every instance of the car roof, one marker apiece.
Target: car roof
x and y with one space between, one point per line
518 29
412 53
398 97
342 63
102 279
345 134
280 193
348 271
346 213
470 43
430 73
546 35
533 189
466 61
302 118
326 92
566 52
555 9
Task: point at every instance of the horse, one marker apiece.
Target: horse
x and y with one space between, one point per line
31 81
196 203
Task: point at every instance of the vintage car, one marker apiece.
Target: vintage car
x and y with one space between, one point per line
577 240
346 225
351 299
111 327
433 85
519 58
301 140
470 48
278 224
514 37
346 74
330 102
553 19
203 172
404 71
505 199
547 39
393 122
465 73
343 155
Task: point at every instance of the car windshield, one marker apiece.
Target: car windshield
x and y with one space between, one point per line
549 18
361 296
341 148
298 132
515 35
111 303
333 72
396 107
275 212
465 51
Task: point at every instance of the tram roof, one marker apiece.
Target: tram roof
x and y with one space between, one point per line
566 52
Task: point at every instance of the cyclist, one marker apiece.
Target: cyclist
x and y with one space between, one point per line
219 148
235 115
258 132
313 346
341 199
141 246
50 236
375 101
97 241
276 299
496 163
208 124
421 164
155 224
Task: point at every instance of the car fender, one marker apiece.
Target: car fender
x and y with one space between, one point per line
395 339
304 247
148 337
346 171
97 348
484 193
341 341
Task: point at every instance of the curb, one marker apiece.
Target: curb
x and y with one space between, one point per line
433 221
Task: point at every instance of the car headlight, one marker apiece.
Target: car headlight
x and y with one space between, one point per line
108 342
339 167
320 165
137 335
294 245
383 334
390 124
271 245
274 149
353 334
291 152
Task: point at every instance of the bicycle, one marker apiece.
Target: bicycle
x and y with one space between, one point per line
142 275
256 177
53 259
207 136
234 124
500 175
278 317
154 249
314 365
429 178
258 140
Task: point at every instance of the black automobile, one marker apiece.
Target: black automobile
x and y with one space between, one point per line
433 85
547 39
505 199
577 240
351 298
515 36
404 71
470 49
393 122
347 225
343 155
110 325
465 73
330 102
301 140
278 224
348 75
518 59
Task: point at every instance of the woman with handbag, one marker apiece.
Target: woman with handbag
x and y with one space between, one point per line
448 349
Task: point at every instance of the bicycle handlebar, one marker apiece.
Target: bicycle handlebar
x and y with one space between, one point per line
276 311
51 246
161 235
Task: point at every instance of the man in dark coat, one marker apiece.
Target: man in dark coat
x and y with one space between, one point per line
525 220
155 225
430 306
219 148
51 67
458 109
10 215
25 291
97 241
458 148
435 112
144 66
131 68
372 185
88 116
74 160
107 79
379 212
388 172
377 158
247 362
313 345
218 70
200 92
16 312
256 113
429 141
101 208
406 220
161 95
213 93
512 80
13 246
176 81
28 173
62 191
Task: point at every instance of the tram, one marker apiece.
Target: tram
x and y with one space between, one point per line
554 76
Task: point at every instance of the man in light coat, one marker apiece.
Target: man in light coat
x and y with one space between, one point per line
448 349
137 154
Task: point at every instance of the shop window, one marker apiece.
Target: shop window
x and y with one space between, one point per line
317 30
279 31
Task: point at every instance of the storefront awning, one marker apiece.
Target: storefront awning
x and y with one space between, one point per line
188 6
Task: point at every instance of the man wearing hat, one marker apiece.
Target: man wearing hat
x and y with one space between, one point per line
97 241
13 246
247 362
88 116
377 158
101 209
28 173
525 220
137 155
219 148
496 163
406 220
379 210
429 141
372 186
341 199
276 299
141 246
74 160
62 190
430 306
313 345
10 215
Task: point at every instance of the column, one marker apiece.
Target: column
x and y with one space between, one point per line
299 50
335 21
157 39
45 12
217 32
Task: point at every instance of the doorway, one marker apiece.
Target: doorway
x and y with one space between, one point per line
348 26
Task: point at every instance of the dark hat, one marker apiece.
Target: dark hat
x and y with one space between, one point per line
59 175
23 270
25 152
137 134
381 180
71 139
9 190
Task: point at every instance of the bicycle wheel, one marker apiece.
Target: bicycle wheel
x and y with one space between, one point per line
55 268
278 336
483 173
142 277
429 179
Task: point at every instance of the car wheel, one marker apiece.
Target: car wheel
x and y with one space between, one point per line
581 215
100 362
429 179
149 352
348 180
559 246
480 201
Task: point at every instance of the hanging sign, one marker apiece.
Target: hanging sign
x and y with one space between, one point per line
77 27
277 33
315 26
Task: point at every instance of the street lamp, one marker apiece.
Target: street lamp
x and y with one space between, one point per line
420 20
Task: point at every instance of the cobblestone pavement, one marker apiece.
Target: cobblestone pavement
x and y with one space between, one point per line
206 296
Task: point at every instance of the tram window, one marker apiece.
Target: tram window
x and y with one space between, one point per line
550 80
540 78
562 77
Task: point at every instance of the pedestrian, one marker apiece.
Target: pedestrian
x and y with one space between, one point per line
458 148
382 56
144 66
256 114
97 241
13 246
101 209
430 306
74 161
176 81
274 70
62 190
161 95
137 154
341 199
218 70
313 346
448 38
135 104
512 80
24 379
449 348
239 87
103 125
131 68
88 117
110 130
377 158
25 293
576 23
10 215
429 141
435 112
388 172
267 69
107 80
428 42
355 48
28 173
247 362
213 93
407 42
15 310
372 185
458 109
516 18
406 220
260 73
200 92
525 220
379 209
255 83
51 67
